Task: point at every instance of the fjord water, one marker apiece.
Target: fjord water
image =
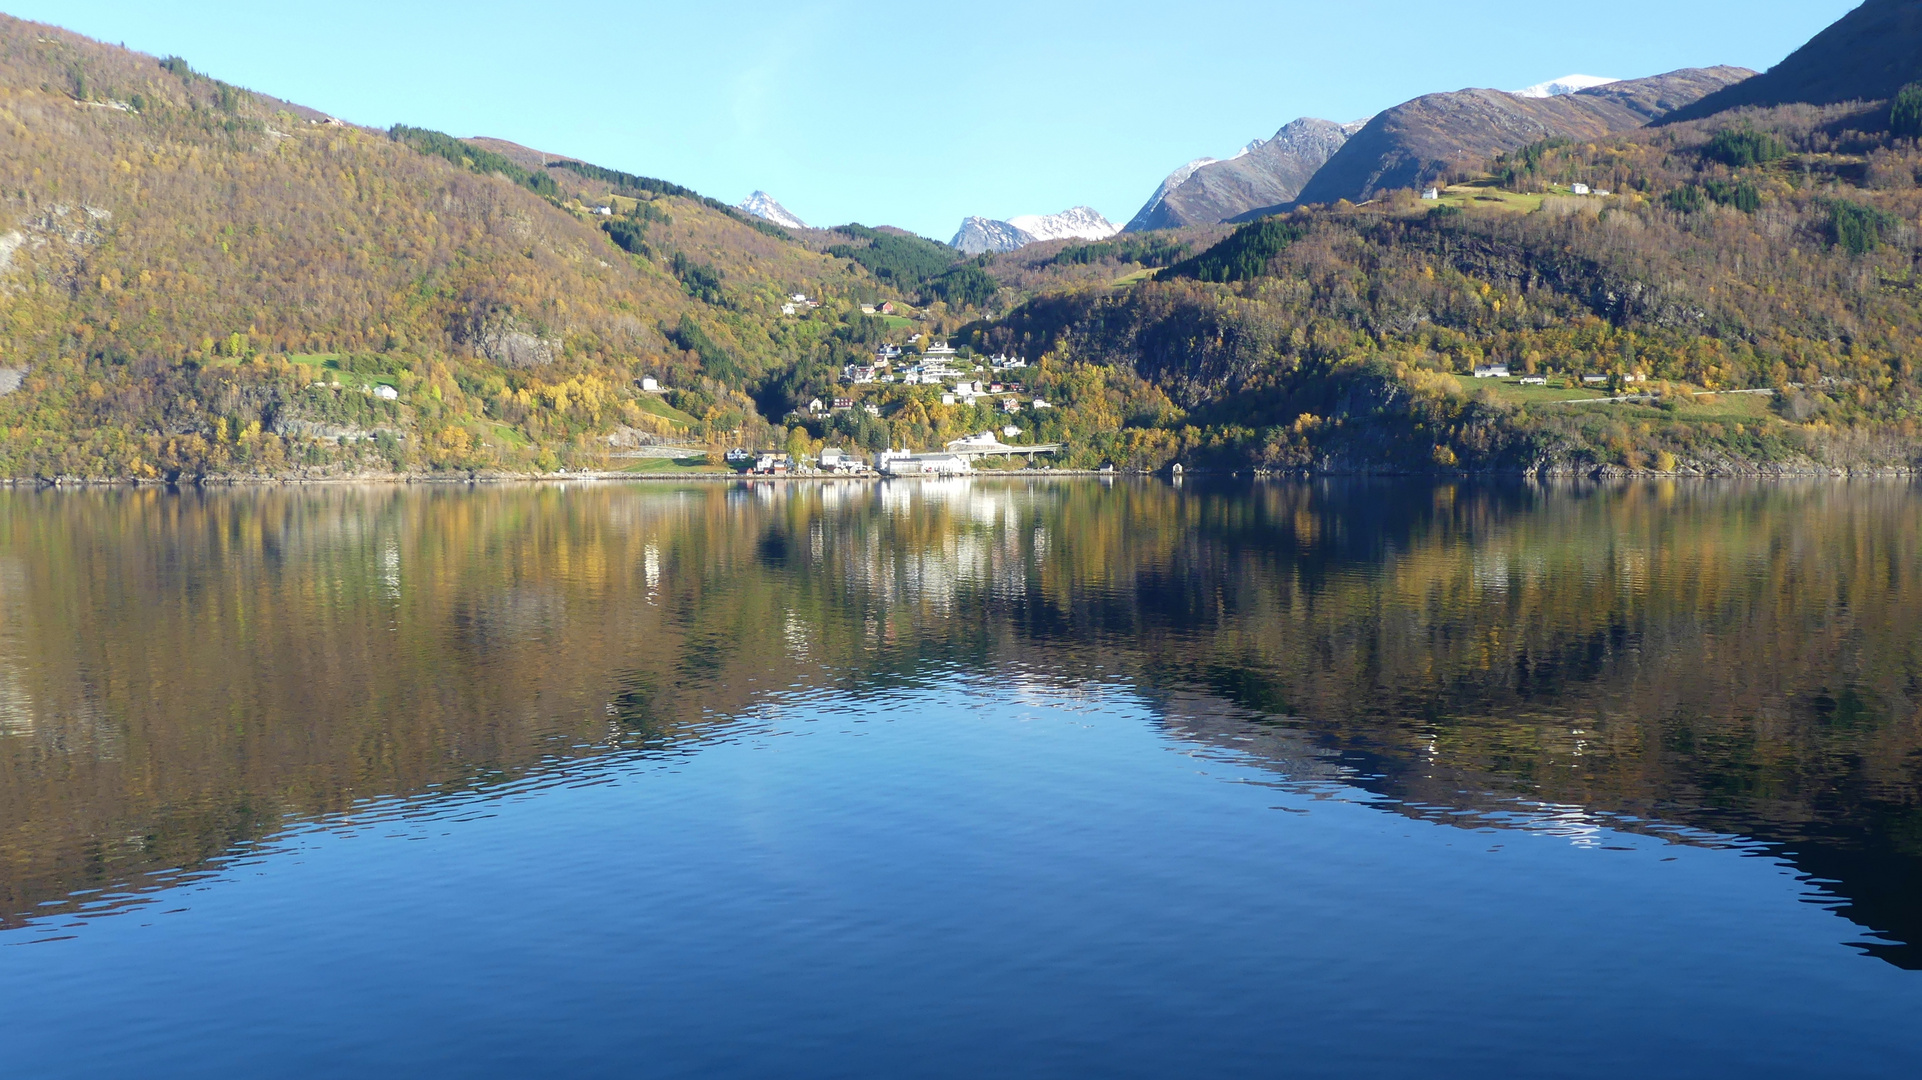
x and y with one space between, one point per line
949 779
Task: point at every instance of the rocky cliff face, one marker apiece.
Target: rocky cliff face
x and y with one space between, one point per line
1268 174
1413 143
1867 55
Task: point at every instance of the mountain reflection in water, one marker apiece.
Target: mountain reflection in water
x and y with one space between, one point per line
184 676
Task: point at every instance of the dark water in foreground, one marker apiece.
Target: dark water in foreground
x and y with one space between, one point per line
962 779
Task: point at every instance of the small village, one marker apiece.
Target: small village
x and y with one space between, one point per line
963 379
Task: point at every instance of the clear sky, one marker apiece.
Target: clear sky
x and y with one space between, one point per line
915 114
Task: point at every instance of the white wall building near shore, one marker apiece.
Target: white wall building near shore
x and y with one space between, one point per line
901 463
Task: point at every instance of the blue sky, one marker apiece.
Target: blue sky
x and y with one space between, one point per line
916 114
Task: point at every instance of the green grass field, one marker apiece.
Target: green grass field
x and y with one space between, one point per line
671 466
1515 393
329 363
1483 194
509 435
1726 408
1730 408
656 406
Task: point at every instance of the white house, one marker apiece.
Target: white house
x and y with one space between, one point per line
1594 380
386 393
1534 380
1041 403
1580 189
650 384
840 461
1431 195
1491 371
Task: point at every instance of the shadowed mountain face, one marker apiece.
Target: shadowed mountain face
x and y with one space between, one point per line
1268 175
1416 143
184 676
1867 55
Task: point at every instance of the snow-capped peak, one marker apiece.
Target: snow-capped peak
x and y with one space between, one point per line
979 234
1567 84
763 206
1080 223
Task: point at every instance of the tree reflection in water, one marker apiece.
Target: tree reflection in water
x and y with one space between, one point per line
183 675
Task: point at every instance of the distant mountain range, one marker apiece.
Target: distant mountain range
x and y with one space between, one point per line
1268 173
1417 142
980 235
1312 160
763 206
1867 55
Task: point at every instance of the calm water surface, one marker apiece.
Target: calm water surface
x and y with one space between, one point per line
966 778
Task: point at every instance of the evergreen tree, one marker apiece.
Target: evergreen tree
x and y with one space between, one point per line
1905 113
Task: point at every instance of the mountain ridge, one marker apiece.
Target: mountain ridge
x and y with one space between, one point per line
1566 84
1419 141
1866 55
1270 172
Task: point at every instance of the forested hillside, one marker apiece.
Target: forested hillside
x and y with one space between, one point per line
196 279
1773 251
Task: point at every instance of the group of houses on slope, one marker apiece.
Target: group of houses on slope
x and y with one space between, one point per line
1501 371
941 365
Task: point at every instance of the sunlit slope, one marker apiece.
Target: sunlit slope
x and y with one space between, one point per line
168 241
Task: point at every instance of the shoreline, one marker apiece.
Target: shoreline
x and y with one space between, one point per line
1603 473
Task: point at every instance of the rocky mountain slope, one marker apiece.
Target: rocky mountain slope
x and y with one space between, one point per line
979 235
1140 222
1271 172
1416 142
1867 55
